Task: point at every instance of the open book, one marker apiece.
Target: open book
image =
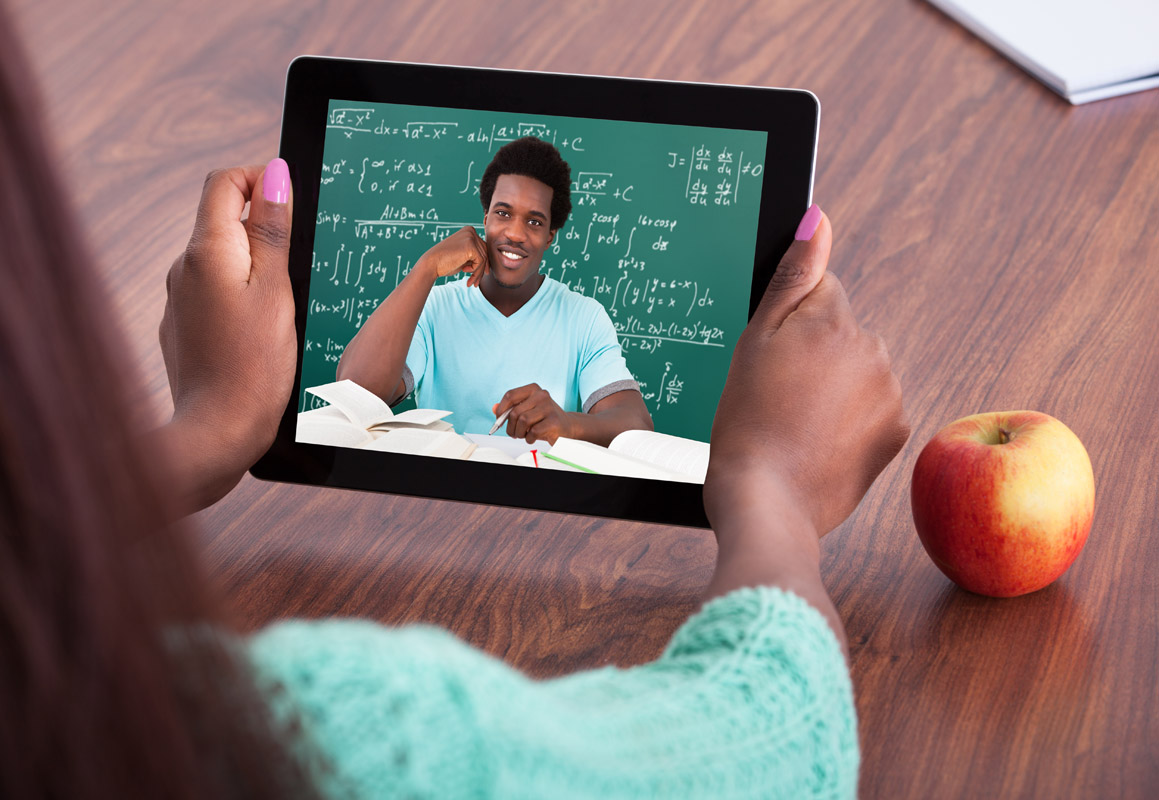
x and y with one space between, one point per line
356 417
633 454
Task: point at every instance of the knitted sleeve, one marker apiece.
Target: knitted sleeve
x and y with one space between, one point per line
751 698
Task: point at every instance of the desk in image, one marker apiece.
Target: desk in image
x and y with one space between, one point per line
1002 242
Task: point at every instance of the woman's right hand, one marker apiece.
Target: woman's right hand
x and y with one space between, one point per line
811 410
810 414
227 335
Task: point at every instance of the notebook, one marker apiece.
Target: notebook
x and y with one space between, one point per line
1083 49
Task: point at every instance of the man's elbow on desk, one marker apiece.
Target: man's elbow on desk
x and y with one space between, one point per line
348 369
611 416
628 404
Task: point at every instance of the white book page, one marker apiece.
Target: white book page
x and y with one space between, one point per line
492 455
453 446
421 416
437 425
361 406
325 414
512 447
421 442
330 427
605 462
686 456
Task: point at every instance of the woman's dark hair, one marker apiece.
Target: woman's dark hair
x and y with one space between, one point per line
533 158
118 677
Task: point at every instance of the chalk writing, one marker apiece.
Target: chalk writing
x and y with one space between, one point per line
661 233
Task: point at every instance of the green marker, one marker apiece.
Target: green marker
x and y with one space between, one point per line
568 463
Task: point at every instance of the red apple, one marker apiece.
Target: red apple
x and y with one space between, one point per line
1003 501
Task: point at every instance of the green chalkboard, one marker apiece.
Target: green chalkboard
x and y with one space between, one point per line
662 233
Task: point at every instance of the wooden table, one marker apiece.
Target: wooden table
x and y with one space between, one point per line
1005 244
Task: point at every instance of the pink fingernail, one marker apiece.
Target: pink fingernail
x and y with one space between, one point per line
276 183
809 224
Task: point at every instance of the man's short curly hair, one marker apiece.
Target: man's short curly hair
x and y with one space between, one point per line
533 158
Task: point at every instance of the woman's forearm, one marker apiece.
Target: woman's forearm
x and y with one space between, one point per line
764 538
203 463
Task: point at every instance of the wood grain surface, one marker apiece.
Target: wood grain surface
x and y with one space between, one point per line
1004 243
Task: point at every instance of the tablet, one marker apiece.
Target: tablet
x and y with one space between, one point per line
683 198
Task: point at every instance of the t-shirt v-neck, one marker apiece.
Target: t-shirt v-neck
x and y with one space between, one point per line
477 301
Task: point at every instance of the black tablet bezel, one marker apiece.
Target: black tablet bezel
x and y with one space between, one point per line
789 117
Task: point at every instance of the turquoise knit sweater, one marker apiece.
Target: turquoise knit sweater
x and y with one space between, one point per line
750 699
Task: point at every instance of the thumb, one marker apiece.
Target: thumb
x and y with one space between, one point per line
800 270
268 226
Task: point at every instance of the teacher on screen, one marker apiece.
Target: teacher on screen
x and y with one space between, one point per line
523 344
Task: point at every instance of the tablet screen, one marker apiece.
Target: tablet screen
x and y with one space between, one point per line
647 280
661 234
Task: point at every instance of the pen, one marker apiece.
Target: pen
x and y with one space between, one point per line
498 422
535 458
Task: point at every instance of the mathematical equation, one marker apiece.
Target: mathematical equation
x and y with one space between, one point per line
661 232
722 175
402 225
712 175
328 349
668 394
355 266
351 121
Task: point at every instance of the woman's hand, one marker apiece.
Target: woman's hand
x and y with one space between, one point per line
810 402
810 414
228 335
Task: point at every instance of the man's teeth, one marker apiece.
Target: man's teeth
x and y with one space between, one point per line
512 256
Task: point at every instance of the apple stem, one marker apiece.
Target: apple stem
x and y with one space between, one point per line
1003 436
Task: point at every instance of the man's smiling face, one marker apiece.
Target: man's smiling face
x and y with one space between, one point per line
517 227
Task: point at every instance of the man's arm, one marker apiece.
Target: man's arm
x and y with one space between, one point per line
376 356
607 419
534 415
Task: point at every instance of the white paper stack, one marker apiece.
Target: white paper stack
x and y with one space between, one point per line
1083 49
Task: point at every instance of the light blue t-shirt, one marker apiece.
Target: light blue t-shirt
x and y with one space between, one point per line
465 355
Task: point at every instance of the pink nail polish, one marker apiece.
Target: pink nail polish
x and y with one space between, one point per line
276 183
809 224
